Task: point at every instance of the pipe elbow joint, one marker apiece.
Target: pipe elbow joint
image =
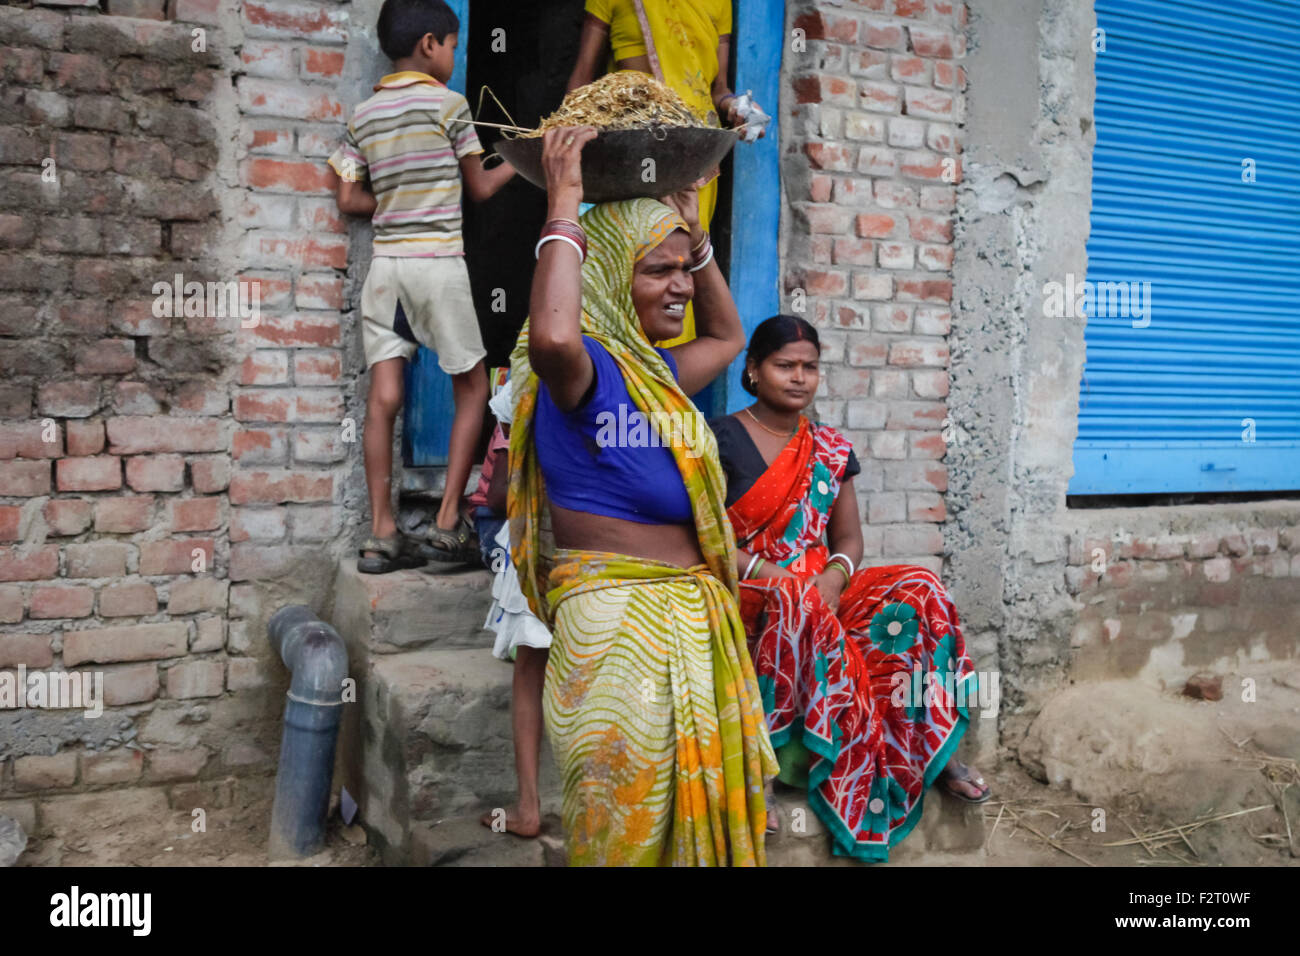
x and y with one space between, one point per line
313 652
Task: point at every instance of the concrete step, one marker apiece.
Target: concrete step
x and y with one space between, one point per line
429 744
441 605
950 833
430 738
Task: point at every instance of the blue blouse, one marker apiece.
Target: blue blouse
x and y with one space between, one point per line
597 460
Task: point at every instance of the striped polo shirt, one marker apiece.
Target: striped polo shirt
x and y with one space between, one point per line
402 140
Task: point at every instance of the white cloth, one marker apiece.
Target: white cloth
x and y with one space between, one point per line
502 404
509 616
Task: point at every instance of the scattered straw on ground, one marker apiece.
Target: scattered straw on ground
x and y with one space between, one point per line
1280 774
627 99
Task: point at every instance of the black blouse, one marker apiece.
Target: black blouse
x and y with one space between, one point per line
743 463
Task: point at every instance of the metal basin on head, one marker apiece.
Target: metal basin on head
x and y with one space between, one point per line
614 164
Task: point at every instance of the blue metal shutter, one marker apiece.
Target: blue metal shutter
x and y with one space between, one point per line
1186 91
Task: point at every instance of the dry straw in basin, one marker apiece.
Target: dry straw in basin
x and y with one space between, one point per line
627 99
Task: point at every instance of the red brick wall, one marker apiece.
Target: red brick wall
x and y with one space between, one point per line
287 447
1208 592
165 483
114 422
871 161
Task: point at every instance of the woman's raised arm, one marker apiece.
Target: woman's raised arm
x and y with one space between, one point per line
719 336
555 306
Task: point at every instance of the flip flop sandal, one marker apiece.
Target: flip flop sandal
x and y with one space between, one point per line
386 554
961 773
457 546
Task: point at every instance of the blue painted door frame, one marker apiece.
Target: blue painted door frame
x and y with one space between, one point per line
757 44
758 41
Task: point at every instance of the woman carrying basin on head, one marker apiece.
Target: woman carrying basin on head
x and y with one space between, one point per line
650 700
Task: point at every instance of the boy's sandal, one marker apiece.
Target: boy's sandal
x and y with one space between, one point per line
960 773
382 555
457 546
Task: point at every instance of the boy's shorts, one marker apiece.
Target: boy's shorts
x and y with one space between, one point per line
438 306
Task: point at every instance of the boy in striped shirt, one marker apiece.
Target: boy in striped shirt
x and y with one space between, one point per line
412 144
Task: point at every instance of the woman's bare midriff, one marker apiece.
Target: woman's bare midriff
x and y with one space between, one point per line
674 543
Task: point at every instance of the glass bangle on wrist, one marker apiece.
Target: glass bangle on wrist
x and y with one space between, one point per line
556 237
566 230
566 227
700 263
848 562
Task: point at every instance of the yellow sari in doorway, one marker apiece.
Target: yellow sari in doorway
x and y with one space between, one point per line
686 35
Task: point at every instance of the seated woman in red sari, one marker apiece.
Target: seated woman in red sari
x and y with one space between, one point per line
864 674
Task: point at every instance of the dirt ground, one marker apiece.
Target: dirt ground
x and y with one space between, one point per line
1110 774
1029 824
140 828
1182 782
1026 824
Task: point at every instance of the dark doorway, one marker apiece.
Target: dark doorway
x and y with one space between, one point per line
529 75
540 41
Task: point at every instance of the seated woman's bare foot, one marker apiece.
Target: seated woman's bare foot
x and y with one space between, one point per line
513 820
965 783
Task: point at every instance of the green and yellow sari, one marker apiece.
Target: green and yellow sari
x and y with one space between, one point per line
651 702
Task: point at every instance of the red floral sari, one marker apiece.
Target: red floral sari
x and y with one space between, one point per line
875 693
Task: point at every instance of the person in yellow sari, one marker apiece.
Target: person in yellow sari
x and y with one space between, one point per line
692 46
650 700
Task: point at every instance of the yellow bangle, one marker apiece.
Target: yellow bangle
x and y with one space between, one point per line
839 567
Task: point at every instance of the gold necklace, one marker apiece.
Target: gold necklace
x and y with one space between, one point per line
771 431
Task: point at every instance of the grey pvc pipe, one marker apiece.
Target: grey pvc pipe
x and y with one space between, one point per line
317 662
